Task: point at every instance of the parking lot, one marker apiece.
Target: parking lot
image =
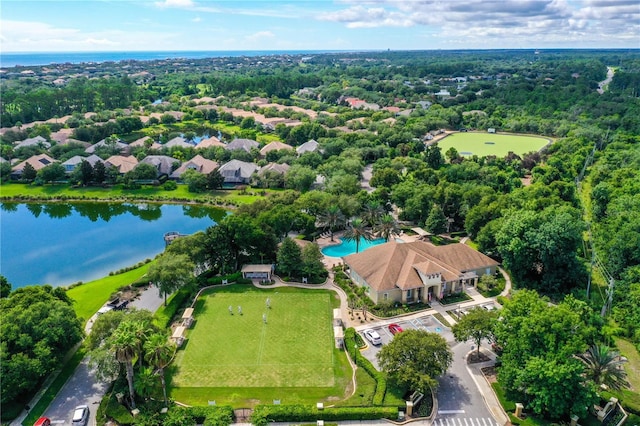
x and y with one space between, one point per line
427 323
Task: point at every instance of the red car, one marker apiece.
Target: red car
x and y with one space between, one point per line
395 328
43 421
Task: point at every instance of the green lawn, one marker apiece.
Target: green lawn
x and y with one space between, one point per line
90 296
239 360
25 192
475 143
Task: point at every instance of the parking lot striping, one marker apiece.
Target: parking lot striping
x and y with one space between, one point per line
470 421
483 422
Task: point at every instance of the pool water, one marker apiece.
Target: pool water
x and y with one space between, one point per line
349 247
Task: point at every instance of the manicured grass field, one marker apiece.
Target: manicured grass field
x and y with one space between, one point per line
240 360
483 144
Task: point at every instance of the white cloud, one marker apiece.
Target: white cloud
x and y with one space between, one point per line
182 4
196 19
260 35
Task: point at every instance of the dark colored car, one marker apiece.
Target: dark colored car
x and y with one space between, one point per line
395 328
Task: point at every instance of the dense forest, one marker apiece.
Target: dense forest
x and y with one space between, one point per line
564 222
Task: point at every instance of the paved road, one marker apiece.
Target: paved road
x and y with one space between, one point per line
460 402
83 388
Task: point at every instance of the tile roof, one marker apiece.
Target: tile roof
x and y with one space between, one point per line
245 144
123 164
274 146
390 265
197 163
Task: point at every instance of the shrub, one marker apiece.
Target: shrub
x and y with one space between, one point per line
264 414
381 381
170 186
165 314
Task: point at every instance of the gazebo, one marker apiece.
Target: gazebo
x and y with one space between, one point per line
260 272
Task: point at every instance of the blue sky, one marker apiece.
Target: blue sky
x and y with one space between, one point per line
134 25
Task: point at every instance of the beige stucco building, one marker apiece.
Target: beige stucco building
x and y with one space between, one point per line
417 271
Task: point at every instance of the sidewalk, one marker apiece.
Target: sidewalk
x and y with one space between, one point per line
485 389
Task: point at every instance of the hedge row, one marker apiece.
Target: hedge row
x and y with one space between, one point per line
361 361
211 415
264 414
165 314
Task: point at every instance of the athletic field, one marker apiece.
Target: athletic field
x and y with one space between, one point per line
240 359
482 144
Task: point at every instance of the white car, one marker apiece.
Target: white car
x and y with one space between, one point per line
80 416
373 337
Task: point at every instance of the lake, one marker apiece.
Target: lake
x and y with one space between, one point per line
63 243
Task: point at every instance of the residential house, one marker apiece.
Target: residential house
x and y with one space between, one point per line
237 172
275 168
197 163
178 141
142 141
73 162
417 271
245 144
309 146
37 141
122 147
38 162
121 163
164 163
209 142
274 146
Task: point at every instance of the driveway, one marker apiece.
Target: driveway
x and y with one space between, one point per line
460 402
83 388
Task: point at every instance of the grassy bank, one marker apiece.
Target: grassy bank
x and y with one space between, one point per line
90 296
64 192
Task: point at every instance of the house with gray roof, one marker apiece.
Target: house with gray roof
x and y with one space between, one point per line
76 160
309 146
237 172
121 163
274 167
164 163
122 147
274 146
245 144
37 141
178 141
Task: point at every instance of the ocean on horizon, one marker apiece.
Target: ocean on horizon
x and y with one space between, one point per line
30 59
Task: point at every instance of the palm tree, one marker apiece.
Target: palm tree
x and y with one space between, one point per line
386 227
141 331
357 231
332 218
146 383
372 212
159 352
604 367
125 344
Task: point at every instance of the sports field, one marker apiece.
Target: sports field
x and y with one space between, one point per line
239 359
483 144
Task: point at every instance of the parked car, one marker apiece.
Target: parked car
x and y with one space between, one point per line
373 337
395 328
80 416
43 421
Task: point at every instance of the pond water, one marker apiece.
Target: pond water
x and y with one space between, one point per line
345 248
63 243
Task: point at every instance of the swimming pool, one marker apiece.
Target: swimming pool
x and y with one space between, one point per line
349 247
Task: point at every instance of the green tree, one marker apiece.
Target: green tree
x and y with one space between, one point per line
289 258
476 325
436 222
86 172
38 327
415 358
312 265
5 171
215 180
433 156
145 383
5 287
540 248
299 178
124 343
371 213
196 181
357 231
170 273
332 218
386 227
142 171
99 172
605 367
159 352
52 172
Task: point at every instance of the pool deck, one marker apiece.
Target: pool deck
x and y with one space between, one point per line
330 261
